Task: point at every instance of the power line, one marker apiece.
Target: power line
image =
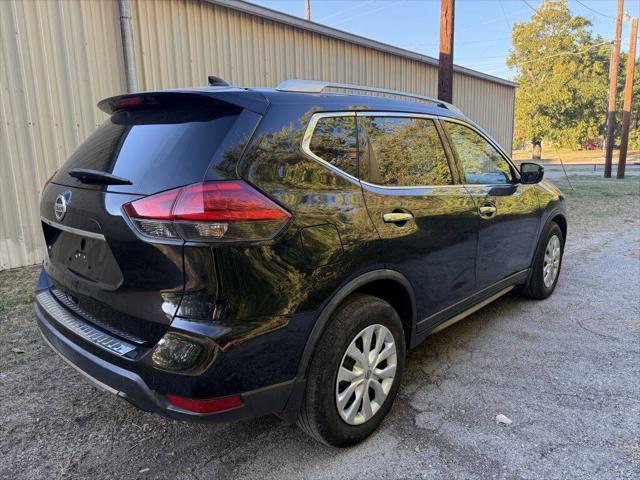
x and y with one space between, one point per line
340 12
594 10
468 42
529 5
487 22
481 58
386 5
579 52
506 19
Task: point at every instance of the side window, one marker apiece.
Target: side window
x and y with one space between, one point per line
334 141
481 162
404 151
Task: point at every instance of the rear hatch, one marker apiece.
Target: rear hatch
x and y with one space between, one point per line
153 142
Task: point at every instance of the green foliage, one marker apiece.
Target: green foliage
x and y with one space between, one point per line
562 70
334 140
480 161
634 132
634 138
406 151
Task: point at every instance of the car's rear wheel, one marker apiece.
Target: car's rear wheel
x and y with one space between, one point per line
546 264
355 372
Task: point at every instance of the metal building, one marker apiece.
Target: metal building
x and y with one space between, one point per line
57 59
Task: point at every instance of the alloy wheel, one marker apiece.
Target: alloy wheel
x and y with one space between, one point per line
551 266
366 374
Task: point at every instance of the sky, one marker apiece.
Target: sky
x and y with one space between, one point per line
482 31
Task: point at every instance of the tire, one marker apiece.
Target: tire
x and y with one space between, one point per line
536 287
320 415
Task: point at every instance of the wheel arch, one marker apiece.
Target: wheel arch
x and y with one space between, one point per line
389 285
561 221
559 217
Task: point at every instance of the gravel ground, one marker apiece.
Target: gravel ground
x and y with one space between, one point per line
566 371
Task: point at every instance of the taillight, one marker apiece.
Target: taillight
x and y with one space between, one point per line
223 211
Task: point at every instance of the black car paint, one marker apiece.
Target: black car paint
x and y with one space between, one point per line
263 306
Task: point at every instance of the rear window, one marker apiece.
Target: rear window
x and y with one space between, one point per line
334 141
155 149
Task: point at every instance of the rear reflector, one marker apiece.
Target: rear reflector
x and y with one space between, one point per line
205 406
225 211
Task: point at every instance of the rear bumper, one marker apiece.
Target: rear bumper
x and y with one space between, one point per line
279 399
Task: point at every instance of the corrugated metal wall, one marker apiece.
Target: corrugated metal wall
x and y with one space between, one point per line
181 42
490 104
57 59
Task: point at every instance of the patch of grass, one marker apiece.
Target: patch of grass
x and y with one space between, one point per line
574 156
16 290
591 186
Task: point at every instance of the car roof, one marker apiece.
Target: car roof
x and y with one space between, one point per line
259 100
334 101
347 101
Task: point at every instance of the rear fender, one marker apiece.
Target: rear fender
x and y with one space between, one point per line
343 292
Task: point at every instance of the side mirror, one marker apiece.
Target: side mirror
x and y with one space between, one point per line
531 172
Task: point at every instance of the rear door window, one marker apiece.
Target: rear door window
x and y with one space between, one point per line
155 149
334 141
403 151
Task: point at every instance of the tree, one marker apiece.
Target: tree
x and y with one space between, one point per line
634 131
562 70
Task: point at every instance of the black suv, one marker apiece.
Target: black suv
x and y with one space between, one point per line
218 253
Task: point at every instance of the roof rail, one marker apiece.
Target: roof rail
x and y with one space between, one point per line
317 86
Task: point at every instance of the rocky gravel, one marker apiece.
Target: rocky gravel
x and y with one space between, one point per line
564 372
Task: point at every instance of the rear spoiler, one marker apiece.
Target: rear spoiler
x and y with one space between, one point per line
242 98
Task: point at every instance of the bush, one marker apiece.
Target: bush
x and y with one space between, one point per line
634 139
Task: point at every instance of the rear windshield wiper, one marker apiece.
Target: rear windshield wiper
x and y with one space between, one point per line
86 175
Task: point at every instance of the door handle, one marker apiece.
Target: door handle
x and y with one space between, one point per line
487 210
397 217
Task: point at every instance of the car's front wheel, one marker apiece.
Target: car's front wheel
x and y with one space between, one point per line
355 372
546 264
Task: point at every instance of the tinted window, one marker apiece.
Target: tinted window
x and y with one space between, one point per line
481 162
334 141
403 152
155 149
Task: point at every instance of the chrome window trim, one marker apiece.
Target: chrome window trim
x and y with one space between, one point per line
313 121
411 187
308 134
491 142
408 115
77 231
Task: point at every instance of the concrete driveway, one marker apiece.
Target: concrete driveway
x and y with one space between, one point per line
566 371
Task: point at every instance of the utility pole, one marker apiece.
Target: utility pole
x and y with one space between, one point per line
307 9
626 109
128 52
613 83
445 63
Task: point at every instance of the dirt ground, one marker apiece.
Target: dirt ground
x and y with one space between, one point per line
566 371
